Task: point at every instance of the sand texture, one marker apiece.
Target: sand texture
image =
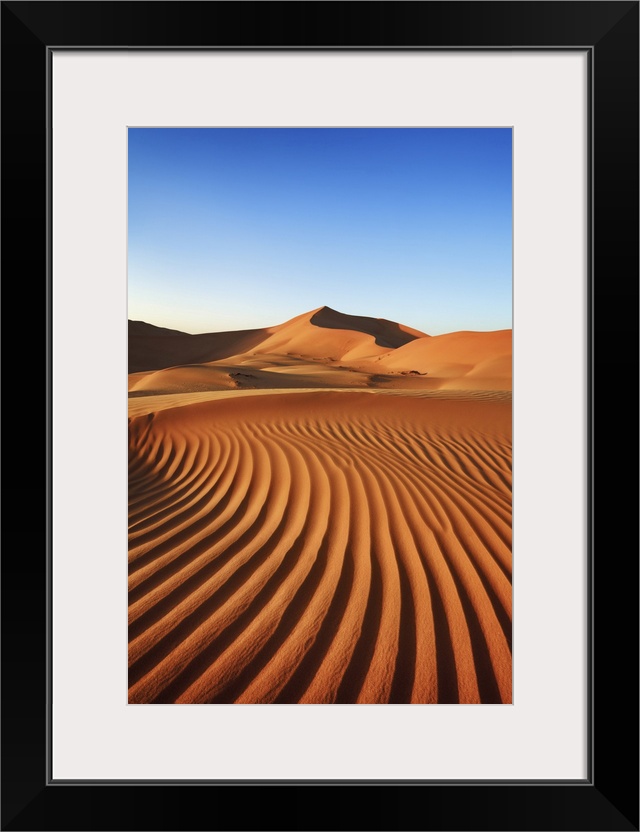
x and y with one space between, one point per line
307 528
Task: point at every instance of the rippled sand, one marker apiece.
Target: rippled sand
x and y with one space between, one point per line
320 546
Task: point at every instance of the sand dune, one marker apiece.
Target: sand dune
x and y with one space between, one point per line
322 333
154 348
245 375
330 335
319 547
456 356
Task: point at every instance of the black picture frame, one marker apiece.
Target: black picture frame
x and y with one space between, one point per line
608 798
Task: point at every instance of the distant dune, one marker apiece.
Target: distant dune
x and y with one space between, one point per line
320 512
153 348
463 357
330 335
467 349
366 351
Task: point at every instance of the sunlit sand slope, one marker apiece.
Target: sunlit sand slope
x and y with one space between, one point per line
322 334
319 547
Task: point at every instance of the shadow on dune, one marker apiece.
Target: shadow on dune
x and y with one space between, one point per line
387 334
155 348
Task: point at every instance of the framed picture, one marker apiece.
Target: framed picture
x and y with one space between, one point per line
109 108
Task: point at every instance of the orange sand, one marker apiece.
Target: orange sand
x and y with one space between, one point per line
350 544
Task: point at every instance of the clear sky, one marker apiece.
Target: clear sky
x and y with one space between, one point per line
236 228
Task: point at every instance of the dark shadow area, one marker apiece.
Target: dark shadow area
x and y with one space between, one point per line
386 333
154 348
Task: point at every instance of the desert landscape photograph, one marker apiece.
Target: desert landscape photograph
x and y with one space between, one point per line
320 416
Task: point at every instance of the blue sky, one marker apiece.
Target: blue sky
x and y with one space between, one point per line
236 228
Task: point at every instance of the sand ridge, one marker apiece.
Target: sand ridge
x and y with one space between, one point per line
335 550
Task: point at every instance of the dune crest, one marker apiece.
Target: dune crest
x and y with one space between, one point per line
332 336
